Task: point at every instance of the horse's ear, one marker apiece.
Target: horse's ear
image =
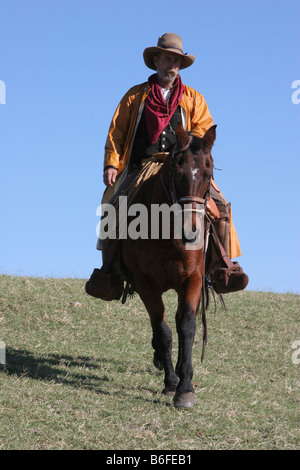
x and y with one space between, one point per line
181 135
210 136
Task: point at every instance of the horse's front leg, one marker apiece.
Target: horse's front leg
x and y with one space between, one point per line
188 301
162 338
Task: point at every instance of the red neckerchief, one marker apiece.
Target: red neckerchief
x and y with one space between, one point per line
158 112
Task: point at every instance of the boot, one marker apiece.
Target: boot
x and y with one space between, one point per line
107 283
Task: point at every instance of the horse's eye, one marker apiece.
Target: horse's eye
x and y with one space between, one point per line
180 161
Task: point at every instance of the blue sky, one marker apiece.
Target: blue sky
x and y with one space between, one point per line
67 63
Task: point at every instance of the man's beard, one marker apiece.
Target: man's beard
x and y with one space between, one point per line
169 76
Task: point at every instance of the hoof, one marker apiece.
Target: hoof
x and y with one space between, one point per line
170 390
168 393
185 400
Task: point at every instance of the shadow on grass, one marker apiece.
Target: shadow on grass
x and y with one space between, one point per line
62 369
65 370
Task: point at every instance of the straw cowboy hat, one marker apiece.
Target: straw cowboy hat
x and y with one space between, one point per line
168 42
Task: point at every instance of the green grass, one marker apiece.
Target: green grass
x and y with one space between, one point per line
79 373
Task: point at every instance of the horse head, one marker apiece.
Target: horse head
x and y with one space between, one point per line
190 178
192 164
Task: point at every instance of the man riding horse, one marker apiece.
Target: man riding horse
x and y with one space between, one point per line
143 127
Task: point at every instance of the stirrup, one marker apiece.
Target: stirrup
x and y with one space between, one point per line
229 276
229 279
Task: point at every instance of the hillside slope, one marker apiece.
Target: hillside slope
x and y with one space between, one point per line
79 372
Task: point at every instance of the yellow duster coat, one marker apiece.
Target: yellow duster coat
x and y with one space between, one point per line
196 119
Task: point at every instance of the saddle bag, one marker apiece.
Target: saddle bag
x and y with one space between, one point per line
229 277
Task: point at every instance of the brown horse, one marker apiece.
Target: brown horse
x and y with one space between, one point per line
155 266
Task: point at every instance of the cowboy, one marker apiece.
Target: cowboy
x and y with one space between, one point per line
143 127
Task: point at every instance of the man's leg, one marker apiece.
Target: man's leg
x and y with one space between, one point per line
225 275
222 227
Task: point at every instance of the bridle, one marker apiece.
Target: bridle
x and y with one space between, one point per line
172 193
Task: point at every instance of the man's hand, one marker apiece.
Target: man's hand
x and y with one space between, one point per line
109 176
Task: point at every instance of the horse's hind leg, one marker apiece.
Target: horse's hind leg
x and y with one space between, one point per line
162 339
162 342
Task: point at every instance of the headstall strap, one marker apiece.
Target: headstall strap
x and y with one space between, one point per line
182 149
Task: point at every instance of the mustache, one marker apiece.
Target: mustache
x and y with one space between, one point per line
170 73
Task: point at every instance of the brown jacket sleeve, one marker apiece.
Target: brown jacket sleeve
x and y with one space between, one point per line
122 127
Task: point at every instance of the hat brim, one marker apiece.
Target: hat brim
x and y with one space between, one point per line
151 52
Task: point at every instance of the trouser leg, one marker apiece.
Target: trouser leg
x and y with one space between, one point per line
222 226
225 275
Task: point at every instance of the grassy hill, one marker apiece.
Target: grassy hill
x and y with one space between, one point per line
79 373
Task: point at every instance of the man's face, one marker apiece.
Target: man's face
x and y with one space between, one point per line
167 65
